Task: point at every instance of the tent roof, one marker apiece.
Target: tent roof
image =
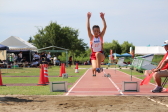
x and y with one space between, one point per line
118 55
126 55
16 43
53 48
2 47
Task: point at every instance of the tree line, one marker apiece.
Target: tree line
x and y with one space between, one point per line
67 37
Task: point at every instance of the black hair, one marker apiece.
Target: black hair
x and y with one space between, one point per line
95 26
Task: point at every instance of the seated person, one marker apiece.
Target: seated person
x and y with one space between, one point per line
36 57
34 64
161 70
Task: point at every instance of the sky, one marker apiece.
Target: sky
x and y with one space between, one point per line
141 22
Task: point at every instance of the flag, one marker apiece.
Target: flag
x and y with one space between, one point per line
147 78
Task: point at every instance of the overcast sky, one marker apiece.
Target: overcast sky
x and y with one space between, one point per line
141 22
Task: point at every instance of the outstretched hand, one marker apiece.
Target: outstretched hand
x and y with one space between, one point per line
89 15
102 15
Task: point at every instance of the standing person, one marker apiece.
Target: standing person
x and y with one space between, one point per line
54 60
43 58
20 55
48 58
70 61
96 42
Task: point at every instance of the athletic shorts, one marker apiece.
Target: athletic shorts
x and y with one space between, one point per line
93 55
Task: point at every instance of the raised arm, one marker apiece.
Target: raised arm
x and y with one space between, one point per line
88 25
104 24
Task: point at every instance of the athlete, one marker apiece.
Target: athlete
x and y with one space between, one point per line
96 42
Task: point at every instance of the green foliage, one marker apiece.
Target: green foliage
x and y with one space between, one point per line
157 58
125 47
114 45
55 35
30 40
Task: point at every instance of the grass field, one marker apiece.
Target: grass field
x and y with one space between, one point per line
44 90
34 90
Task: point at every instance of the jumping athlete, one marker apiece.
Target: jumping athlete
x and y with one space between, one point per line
96 42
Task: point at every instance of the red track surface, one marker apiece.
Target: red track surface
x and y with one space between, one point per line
88 85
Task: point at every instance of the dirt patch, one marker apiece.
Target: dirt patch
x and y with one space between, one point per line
81 104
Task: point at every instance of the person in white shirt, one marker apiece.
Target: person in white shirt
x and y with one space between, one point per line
20 56
48 57
36 57
54 60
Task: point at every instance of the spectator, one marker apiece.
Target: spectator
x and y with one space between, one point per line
54 60
36 57
48 57
20 55
70 61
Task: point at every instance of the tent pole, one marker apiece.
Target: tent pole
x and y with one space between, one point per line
66 58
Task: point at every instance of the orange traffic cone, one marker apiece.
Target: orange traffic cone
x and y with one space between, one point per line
46 73
1 84
76 68
61 70
41 79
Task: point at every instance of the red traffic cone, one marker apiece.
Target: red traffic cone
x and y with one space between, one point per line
41 79
46 73
61 70
1 84
76 68
165 90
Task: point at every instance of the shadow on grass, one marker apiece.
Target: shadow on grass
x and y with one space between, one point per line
13 99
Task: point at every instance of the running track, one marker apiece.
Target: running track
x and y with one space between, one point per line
88 85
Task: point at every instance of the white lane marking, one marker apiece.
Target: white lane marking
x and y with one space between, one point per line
94 91
114 84
157 102
76 83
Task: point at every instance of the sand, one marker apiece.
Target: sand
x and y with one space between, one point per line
82 104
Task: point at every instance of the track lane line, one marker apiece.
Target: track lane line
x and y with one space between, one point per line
114 84
76 83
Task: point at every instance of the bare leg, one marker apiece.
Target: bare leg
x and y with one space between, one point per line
99 58
157 78
94 67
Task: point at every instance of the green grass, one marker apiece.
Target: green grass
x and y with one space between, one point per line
35 90
138 75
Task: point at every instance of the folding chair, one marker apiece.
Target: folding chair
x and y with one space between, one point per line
121 63
164 82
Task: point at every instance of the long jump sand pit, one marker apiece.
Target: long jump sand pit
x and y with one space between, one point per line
83 104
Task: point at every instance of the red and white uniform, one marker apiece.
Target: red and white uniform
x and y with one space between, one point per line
96 46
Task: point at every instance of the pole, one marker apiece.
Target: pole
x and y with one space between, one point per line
66 58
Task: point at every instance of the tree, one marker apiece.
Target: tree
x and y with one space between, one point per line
125 47
30 40
55 35
114 45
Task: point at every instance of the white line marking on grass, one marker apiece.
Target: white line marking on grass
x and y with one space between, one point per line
114 84
76 83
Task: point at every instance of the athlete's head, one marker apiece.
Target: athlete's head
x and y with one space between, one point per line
96 30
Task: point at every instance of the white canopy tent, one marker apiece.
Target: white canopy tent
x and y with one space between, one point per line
16 43
144 50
